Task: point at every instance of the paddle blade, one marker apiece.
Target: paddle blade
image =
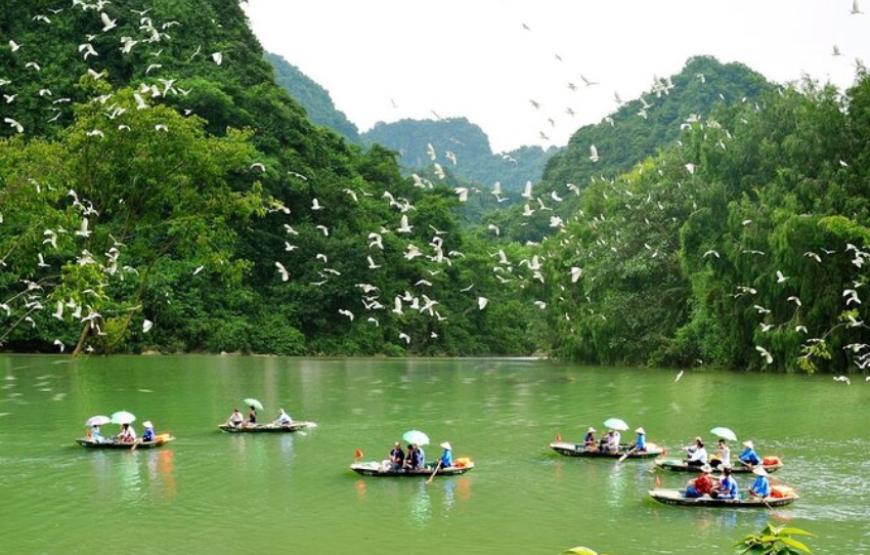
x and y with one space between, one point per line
658 482
558 436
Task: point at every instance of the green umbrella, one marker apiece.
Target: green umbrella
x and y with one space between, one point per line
254 403
616 424
416 437
123 417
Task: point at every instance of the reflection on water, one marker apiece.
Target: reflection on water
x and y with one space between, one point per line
421 506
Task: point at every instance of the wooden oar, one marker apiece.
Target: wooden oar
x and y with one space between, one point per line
432 477
632 450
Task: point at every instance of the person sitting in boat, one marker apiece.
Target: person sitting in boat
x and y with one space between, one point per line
446 459
412 460
723 455
95 434
702 485
613 439
761 486
589 441
252 416
127 435
236 419
283 419
749 457
640 443
148 435
727 486
697 454
421 458
397 456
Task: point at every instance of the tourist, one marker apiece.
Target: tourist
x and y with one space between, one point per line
727 486
446 459
252 416
640 443
702 485
397 456
697 455
127 435
95 434
613 439
236 419
723 455
761 486
421 458
412 460
749 457
283 419
148 435
589 441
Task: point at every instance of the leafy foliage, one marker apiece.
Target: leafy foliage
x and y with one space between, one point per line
774 540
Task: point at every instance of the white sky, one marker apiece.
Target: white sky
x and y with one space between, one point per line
473 58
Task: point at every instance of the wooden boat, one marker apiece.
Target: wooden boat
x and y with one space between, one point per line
677 497
378 469
159 441
266 428
579 450
679 465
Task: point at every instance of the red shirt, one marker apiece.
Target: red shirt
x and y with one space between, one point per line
704 484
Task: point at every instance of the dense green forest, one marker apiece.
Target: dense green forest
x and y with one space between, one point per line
314 98
159 190
742 246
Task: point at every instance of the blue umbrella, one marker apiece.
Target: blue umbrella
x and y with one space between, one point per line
616 424
123 417
416 437
724 433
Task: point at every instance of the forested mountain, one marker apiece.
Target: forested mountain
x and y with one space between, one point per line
464 148
637 129
159 190
743 246
313 97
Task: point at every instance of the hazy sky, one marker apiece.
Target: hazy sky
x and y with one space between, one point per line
474 58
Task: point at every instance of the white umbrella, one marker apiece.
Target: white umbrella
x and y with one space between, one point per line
123 417
98 420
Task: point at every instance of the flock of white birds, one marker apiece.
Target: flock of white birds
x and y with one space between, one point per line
153 35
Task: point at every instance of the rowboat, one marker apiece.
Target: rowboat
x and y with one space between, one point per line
677 497
159 441
266 428
381 470
679 465
579 450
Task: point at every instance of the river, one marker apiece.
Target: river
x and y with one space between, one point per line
211 492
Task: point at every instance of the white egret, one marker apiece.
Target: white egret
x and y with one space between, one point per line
285 275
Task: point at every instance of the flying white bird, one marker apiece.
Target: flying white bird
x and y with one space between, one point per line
576 273
593 153
285 275
711 252
147 325
404 336
404 226
482 302
347 313
14 124
764 354
218 58
108 24
780 278
679 375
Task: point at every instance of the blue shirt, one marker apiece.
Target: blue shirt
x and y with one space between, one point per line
447 458
728 488
421 457
148 435
640 444
748 456
761 487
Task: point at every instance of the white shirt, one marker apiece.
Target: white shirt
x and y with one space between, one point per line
700 454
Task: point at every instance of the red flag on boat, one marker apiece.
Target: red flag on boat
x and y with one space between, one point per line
664 452
558 436
358 454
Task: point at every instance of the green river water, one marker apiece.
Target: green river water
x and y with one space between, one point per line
211 492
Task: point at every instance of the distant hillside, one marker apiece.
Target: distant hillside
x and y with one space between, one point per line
475 160
702 85
314 98
638 129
